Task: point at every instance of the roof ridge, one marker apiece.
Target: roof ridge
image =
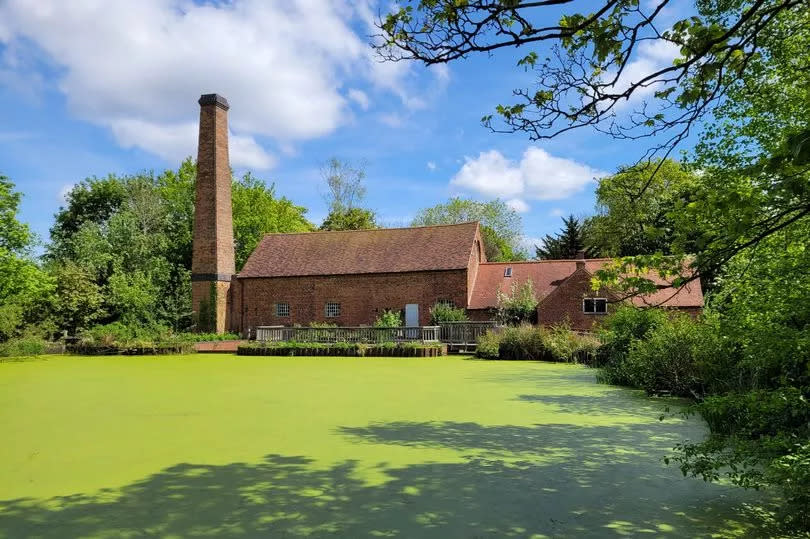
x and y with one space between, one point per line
368 229
542 261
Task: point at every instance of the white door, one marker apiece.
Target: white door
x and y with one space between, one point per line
412 315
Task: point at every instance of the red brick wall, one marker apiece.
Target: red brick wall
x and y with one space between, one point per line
362 297
477 255
564 304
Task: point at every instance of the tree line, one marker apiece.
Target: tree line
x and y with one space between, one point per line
734 212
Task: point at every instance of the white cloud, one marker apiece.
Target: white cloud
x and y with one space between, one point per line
392 119
359 97
431 165
174 142
557 212
538 176
282 66
651 56
518 205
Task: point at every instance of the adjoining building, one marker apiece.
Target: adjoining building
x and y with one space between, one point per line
350 277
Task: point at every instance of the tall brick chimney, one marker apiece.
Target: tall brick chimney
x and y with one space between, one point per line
212 262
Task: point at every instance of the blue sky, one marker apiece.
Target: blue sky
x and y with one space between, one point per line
97 89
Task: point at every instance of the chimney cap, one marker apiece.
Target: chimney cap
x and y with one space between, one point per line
214 99
581 254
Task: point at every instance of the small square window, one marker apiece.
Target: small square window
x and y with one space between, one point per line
594 306
332 309
282 309
507 272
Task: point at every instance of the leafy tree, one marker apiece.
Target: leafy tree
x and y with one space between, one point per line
501 226
584 76
136 248
567 243
353 219
257 211
628 224
346 191
78 300
24 288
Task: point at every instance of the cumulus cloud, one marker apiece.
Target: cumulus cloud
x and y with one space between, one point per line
538 176
651 56
360 97
431 165
518 205
283 66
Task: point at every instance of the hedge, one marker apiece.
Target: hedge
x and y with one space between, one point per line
136 349
341 349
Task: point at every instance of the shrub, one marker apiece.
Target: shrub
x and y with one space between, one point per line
445 312
673 357
488 345
567 346
517 307
389 319
619 331
532 343
522 342
202 337
23 346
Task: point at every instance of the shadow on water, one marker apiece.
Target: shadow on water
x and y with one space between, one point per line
606 485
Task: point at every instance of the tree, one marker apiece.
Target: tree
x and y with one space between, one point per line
501 226
587 73
567 243
131 236
344 182
353 219
257 211
346 191
23 285
627 224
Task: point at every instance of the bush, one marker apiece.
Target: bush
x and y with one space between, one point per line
488 345
203 337
387 349
565 345
389 319
23 346
444 312
673 358
522 342
619 331
526 342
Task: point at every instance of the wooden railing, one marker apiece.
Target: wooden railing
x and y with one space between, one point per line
464 333
348 334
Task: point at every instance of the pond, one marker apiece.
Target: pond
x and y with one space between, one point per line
226 446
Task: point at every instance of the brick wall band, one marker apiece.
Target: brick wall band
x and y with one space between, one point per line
361 297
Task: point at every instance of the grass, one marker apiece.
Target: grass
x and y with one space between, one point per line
226 446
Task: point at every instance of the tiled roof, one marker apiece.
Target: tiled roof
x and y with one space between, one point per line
546 275
384 250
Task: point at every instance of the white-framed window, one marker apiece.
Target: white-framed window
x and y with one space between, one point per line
282 309
332 309
507 272
594 306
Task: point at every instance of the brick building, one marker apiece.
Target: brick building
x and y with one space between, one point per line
350 277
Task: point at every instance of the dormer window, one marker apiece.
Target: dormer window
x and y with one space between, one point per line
594 306
507 272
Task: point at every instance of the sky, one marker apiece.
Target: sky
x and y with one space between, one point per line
90 88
